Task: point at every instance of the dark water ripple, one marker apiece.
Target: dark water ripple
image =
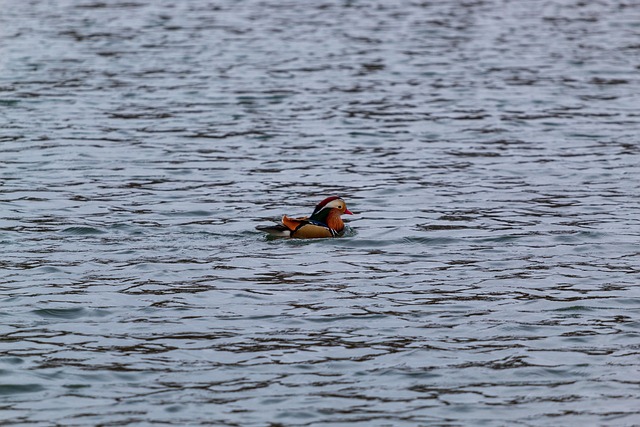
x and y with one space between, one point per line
490 149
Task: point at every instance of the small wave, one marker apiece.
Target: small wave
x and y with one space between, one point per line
9 389
83 231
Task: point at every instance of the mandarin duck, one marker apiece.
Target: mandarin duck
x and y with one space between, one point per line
325 221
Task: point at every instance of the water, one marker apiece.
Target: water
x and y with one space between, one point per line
490 150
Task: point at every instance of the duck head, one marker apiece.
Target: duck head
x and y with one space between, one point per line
327 205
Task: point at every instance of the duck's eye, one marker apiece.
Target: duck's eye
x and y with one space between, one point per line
339 206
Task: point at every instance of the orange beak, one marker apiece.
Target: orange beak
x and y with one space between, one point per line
348 212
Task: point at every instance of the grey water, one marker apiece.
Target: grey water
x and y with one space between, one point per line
490 151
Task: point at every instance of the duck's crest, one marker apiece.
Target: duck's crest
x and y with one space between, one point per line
323 203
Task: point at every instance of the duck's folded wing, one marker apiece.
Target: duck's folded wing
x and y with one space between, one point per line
301 228
285 229
293 223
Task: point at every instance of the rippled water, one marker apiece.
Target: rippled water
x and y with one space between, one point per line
489 148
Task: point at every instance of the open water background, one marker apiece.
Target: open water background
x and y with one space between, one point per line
490 149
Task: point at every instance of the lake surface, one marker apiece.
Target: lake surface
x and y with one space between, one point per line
490 150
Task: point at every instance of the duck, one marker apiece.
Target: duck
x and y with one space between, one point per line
325 221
